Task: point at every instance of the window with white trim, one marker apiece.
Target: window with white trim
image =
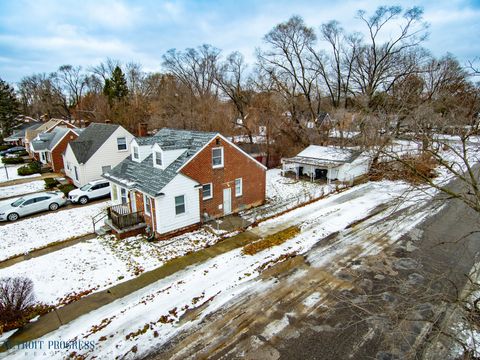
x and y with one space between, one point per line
114 192
238 187
147 204
135 153
158 158
76 172
123 195
122 143
179 205
217 157
207 191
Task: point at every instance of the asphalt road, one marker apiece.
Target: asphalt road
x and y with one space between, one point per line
360 306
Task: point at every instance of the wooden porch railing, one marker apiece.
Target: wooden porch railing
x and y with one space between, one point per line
122 217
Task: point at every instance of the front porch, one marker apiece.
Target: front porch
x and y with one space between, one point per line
124 222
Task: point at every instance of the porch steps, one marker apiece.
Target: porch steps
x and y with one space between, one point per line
103 230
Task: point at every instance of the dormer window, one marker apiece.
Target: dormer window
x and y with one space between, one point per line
217 157
158 158
135 155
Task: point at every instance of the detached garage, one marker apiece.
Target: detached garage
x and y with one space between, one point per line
327 163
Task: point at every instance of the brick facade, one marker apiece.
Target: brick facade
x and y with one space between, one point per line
56 155
141 207
236 165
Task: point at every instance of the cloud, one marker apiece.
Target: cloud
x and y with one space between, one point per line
39 36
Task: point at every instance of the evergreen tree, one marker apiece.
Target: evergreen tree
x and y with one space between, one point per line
9 108
116 87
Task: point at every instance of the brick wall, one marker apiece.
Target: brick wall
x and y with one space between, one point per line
236 165
57 159
141 207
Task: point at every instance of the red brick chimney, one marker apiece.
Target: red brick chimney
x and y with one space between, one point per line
142 129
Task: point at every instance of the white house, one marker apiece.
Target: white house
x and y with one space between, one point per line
178 178
328 162
99 148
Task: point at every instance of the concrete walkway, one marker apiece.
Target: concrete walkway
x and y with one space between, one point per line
53 320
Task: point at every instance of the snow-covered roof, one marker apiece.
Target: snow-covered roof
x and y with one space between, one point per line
328 153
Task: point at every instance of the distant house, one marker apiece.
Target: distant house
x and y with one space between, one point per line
323 121
18 135
49 146
176 179
98 149
327 163
32 132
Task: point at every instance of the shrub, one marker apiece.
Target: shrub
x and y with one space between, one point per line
33 168
12 160
21 153
16 300
36 166
50 183
271 240
66 188
413 169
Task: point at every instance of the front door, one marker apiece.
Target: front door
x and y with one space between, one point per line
133 201
227 201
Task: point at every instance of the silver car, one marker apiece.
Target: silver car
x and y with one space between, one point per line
30 204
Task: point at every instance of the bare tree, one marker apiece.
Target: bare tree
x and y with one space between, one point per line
378 65
232 80
16 297
287 62
195 68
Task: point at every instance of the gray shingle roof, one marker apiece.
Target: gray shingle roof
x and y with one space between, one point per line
90 140
146 178
47 141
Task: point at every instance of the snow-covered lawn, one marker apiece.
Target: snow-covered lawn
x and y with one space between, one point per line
150 316
12 172
286 193
21 189
28 234
101 262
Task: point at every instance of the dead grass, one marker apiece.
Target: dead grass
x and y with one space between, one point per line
271 240
414 170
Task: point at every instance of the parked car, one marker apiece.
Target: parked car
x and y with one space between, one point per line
92 190
30 204
12 150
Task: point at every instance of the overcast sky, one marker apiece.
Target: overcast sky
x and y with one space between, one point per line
40 35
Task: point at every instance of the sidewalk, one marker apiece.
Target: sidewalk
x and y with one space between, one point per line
53 320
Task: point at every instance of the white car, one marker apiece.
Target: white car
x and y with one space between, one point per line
30 204
92 190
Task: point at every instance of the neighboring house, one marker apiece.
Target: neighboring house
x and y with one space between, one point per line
328 163
99 148
322 122
32 132
49 146
17 137
176 179
259 153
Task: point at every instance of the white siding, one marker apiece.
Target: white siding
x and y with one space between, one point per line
168 156
143 151
358 167
165 217
107 155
